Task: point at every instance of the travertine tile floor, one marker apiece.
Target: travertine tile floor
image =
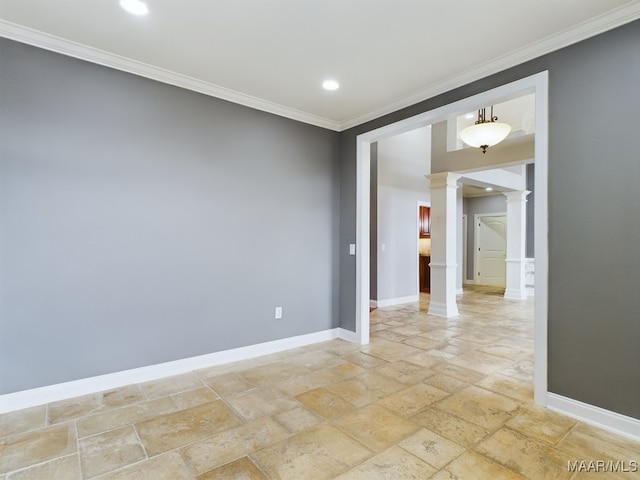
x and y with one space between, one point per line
428 398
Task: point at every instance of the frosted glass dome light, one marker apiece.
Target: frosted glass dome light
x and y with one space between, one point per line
134 7
486 132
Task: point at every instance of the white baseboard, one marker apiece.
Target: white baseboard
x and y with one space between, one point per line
468 281
397 301
606 419
347 335
51 393
373 303
515 294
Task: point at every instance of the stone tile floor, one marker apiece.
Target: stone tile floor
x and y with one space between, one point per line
428 398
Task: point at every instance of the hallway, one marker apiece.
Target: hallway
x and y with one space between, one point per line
428 398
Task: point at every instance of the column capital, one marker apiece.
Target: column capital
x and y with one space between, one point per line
516 196
444 179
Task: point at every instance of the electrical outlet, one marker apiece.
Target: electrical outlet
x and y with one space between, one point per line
278 313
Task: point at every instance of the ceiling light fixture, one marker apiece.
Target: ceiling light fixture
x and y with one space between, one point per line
486 132
134 7
330 85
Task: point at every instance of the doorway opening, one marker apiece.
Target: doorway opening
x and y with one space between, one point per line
536 84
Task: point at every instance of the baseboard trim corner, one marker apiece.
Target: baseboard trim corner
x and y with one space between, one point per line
599 417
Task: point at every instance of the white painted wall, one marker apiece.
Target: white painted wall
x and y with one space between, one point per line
403 162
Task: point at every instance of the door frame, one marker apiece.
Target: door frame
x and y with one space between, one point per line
538 84
476 219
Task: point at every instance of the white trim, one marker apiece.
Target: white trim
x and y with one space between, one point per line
61 391
117 62
347 335
612 421
373 303
590 28
537 84
398 301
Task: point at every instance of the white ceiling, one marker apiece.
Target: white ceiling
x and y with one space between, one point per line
274 54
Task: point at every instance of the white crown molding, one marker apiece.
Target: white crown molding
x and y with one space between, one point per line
591 28
549 44
73 49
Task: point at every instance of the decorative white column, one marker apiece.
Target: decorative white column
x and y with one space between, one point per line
443 244
516 236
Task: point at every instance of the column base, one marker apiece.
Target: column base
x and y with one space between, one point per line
442 309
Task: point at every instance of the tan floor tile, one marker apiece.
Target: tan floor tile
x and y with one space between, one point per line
119 417
260 402
392 464
186 426
169 466
413 399
242 469
389 351
297 420
36 446
451 427
586 442
509 386
317 360
478 337
170 385
431 447
365 388
309 381
213 452
455 371
363 360
77 407
408 330
324 403
541 423
225 384
522 370
526 456
470 465
482 407
344 370
193 398
22 421
504 351
376 427
424 359
108 451
405 372
273 373
64 468
318 454
446 383
481 362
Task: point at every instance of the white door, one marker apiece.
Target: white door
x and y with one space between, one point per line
491 235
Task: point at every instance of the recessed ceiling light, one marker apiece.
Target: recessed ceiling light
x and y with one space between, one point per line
134 7
330 85
489 189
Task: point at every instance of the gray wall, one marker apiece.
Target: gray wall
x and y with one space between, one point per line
475 206
594 173
142 223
